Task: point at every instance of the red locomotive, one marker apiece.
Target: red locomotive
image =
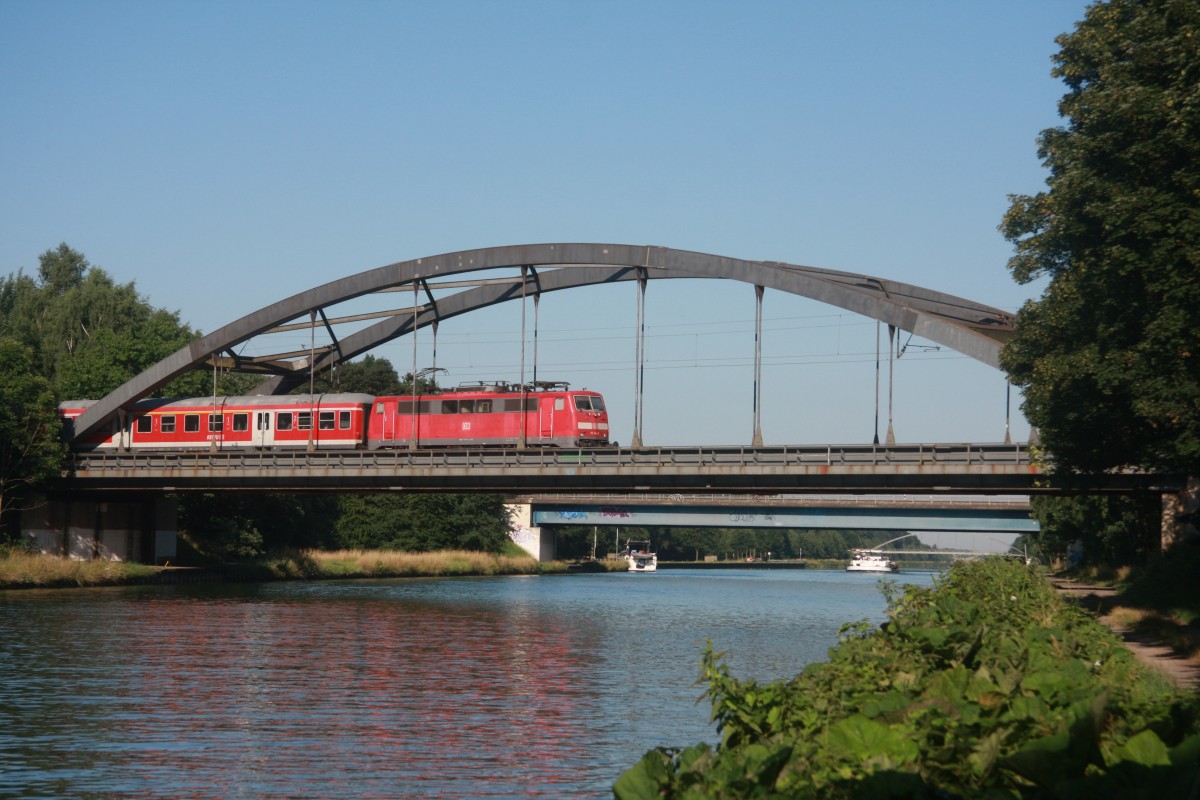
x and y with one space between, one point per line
492 414
470 416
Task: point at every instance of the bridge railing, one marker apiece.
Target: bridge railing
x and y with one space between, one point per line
962 455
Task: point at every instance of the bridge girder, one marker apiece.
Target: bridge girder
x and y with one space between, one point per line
971 328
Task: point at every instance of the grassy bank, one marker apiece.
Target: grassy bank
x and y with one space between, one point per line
316 564
990 684
22 570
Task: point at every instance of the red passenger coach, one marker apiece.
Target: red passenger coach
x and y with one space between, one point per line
492 414
327 421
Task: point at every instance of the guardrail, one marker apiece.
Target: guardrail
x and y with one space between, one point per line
964 455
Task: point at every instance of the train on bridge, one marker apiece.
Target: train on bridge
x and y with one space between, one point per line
543 414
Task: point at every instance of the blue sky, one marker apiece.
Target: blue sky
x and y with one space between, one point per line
225 155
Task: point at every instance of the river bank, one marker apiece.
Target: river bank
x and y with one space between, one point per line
991 683
23 570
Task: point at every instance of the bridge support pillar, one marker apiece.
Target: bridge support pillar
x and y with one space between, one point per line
1179 519
142 529
532 540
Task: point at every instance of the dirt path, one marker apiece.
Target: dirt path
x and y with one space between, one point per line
1185 672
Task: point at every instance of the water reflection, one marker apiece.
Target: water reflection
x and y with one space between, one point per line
504 687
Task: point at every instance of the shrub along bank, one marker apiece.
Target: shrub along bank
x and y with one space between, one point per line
987 685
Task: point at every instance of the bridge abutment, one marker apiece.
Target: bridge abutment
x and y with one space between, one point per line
530 538
1179 519
142 529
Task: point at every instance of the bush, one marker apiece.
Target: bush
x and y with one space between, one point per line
988 684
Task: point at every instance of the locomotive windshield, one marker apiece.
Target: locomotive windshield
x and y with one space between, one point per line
586 403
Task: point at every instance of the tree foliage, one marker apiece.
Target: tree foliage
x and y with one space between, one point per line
1112 530
89 334
31 448
229 527
1109 357
423 522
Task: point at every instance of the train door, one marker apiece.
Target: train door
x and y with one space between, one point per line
264 436
382 427
549 408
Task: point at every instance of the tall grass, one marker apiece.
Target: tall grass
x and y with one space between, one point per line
393 564
20 569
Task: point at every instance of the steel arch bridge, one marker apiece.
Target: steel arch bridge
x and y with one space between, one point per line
971 328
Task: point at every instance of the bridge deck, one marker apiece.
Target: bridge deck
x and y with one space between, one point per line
989 468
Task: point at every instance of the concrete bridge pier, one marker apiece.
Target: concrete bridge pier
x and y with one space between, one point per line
139 528
530 538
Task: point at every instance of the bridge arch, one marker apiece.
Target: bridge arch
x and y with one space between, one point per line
971 328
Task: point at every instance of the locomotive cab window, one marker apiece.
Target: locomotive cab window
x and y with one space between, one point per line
585 403
325 420
145 424
283 422
191 423
168 423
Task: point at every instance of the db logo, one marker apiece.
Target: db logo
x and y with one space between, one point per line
466 426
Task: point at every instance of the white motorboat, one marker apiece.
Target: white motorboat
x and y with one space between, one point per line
640 557
871 561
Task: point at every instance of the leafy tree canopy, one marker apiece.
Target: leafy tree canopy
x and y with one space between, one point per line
31 449
89 334
1109 357
423 522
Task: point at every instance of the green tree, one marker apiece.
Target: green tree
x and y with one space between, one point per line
31 447
372 375
232 526
1111 529
89 334
422 522
1109 356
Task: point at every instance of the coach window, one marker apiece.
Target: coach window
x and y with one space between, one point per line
168 423
241 422
325 420
344 420
191 423
304 421
216 423
283 422
145 424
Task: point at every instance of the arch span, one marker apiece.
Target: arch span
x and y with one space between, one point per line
971 328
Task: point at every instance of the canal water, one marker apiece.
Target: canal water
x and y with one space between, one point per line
468 687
